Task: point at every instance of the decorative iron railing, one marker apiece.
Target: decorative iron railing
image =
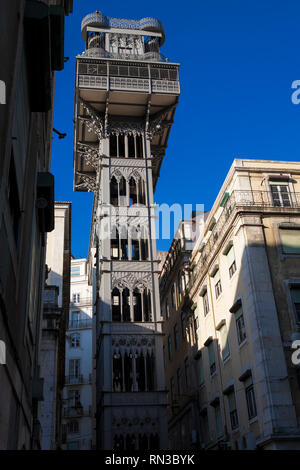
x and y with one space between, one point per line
77 324
261 200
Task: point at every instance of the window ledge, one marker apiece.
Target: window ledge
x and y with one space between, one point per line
253 420
243 343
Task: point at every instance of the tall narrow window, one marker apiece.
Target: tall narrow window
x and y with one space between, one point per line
280 193
218 419
167 309
231 262
170 347
224 342
211 357
240 326
183 326
290 240
116 305
205 302
295 294
179 382
200 370
74 368
173 296
113 147
175 336
75 340
217 283
250 397
232 410
137 305
126 304
187 372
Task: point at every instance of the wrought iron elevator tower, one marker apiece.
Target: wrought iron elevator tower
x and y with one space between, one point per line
126 93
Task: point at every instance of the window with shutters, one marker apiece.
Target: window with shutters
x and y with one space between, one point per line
200 370
290 240
231 262
218 419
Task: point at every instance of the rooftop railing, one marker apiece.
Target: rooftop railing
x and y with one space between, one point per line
260 200
128 83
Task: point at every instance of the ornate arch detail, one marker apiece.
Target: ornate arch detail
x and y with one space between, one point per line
131 281
90 154
87 182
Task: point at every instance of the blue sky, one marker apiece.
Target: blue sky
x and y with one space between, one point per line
238 60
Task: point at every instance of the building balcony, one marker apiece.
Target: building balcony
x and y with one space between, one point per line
128 84
50 301
84 301
239 200
99 52
80 324
77 411
78 379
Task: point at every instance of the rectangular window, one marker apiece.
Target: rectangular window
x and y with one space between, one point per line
290 241
179 381
175 336
183 326
187 372
280 194
218 420
224 342
250 397
205 303
240 326
231 262
295 294
170 347
73 398
217 282
200 371
74 368
173 296
233 410
167 309
211 357
76 298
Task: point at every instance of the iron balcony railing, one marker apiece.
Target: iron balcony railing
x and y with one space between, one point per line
78 379
99 52
262 200
77 411
129 84
81 301
77 324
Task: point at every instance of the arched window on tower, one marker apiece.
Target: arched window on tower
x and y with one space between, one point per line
139 146
132 192
137 305
126 304
114 244
147 305
114 199
116 305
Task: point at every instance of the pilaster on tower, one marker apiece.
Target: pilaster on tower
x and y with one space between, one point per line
126 93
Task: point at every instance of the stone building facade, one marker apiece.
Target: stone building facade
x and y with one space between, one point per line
31 50
78 417
54 324
126 95
243 299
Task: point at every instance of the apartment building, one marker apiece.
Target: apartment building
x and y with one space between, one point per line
31 51
242 299
78 422
54 324
179 337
